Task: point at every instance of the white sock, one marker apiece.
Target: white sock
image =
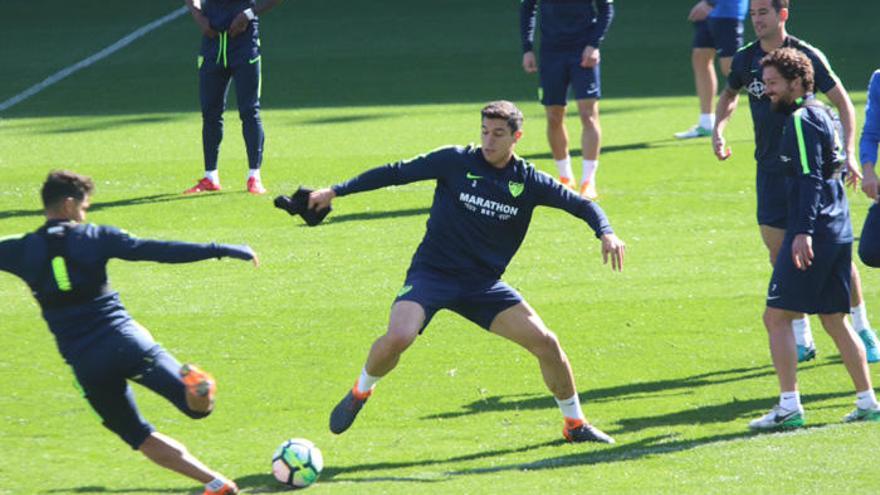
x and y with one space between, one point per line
866 399
571 407
802 333
254 172
366 382
215 484
707 120
790 401
213 175
590 167
859 317
564 167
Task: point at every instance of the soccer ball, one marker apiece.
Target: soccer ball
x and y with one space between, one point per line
297 463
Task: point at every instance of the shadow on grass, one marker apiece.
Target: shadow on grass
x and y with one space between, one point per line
630 391
371 215
98 206
104 489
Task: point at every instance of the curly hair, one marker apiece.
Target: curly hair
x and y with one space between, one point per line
791 64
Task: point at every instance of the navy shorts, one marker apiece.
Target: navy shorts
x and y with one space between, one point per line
725 35
103 371
479 301
772 191
561 70
824 288
869 242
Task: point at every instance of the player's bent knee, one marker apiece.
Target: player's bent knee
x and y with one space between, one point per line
869 253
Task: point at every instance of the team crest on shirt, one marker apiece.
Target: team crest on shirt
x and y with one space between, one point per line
516 188
756 88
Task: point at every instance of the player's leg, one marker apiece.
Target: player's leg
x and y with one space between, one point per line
113 400
859 316
407 319
869 241
788 413
725 63
552 93
248 86
591 142
772 217
213 86
705 80
189 388
520 324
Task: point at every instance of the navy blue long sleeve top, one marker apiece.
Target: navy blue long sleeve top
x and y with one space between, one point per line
480 214
811 149
74 294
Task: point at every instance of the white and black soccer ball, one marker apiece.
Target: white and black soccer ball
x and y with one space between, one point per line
297 463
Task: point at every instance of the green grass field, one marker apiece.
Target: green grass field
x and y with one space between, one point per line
670 355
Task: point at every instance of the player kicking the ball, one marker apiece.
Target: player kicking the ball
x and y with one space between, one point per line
483 204
65 265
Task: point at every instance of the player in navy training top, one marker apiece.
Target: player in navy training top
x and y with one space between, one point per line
718 30
812 273
869 242
64 263
230 50
483 203
571 32
768 19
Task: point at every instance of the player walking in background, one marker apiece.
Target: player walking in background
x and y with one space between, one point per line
571 32
768 19
812 273
230 50
718 29
869 242
64 263
482 208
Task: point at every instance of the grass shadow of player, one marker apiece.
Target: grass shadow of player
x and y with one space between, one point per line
374 215
110 123
103 205
629 391
104 489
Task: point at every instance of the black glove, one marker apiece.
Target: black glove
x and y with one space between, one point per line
298 204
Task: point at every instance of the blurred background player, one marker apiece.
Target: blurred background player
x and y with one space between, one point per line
230 50
64 263
812 273
483 204
571 32
768 19
718 30
869 242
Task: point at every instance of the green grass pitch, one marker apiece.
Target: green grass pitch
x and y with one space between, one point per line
670 356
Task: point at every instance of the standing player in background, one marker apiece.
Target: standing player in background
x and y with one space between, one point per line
812 273
483 204
718 29
768 19
64 264
571 32
869 243
230 50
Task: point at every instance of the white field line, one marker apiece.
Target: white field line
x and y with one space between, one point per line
86 62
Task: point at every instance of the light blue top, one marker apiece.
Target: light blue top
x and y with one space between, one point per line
871 130
730 9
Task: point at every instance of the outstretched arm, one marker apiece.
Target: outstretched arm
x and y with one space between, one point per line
422 167
871 138
121 245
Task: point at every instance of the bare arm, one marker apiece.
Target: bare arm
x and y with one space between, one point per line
195 8
723 111
840 98
241 21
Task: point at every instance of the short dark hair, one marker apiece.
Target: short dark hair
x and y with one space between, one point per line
62 184
791 64
779 5
505 110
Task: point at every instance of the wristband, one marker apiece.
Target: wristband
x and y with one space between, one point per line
249 13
